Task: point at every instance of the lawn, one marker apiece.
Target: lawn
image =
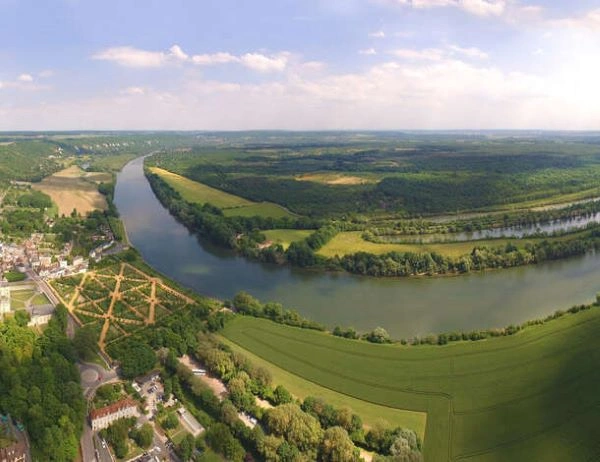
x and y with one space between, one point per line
19 297
350 242
530 396
193 191
286 236
40 299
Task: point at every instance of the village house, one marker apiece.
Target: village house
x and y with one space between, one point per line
103 417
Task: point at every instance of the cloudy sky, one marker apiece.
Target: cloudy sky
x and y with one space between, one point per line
299 64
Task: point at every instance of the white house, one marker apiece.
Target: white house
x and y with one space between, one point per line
103 417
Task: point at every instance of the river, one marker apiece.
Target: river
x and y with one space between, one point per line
405 307
553 226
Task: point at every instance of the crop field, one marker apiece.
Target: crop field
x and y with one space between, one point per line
193 191
530 396
72 188
350 242
286 236
117 300
370 413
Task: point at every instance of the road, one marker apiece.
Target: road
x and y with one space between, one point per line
103 453
92 376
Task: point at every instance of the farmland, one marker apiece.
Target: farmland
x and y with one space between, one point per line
530 396
370 413
232 205
350 242
72 188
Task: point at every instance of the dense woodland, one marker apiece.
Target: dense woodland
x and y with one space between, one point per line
39 386
28 160
412 175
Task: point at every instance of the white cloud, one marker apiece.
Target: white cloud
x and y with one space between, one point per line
589 21
263 63
214 58
367 51
483 7
470 52
377 34
444 93
476 7
438 54
176 52
314 65
46 73
132 57
25 78
428 54
133 91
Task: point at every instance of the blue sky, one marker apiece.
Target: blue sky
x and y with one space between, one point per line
303 64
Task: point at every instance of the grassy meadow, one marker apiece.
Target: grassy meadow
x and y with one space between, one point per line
530 396
195 192
350 242
286 236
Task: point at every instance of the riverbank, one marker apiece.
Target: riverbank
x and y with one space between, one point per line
407 307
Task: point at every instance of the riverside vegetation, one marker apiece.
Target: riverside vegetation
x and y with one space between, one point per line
549 397
369 226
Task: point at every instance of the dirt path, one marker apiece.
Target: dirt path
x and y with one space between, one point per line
214 384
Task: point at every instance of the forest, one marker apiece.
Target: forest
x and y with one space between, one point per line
39 386
243 234
412 176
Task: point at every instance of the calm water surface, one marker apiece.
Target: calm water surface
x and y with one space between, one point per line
405 307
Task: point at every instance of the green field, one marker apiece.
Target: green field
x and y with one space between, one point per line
18 298
527 397
369 413
350 242
286 236
232 205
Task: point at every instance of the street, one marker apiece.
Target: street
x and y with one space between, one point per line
92 376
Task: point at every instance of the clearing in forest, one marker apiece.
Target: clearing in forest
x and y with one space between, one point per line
117 300
286 236
335 179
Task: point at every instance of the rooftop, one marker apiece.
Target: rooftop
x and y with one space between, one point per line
112 408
